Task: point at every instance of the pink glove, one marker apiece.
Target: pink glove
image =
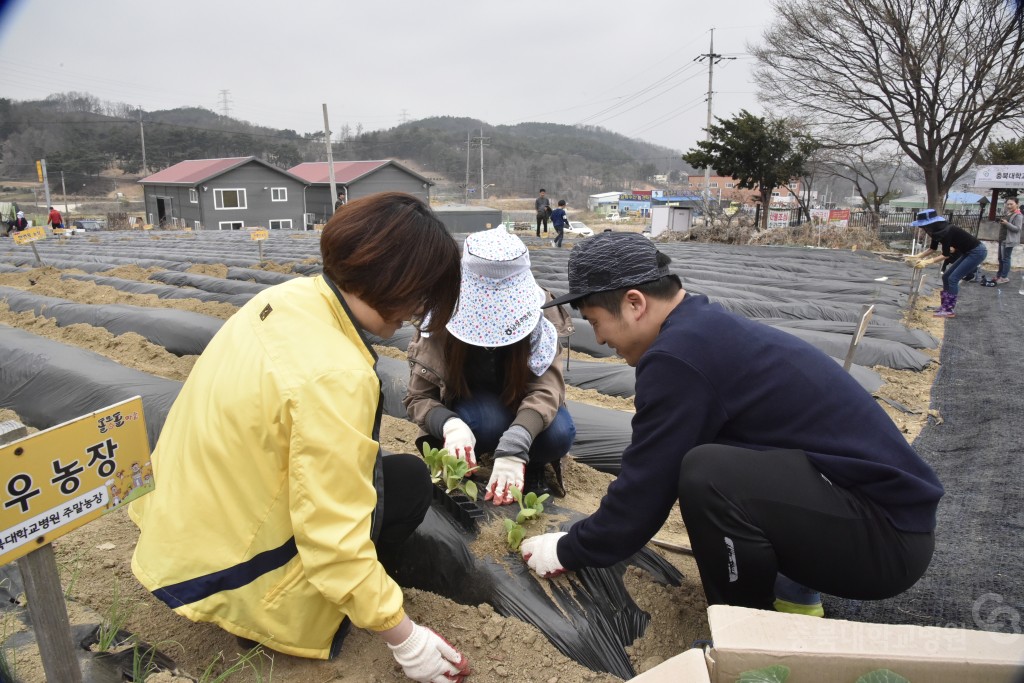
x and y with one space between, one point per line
541 554
428 658
507 472
459 440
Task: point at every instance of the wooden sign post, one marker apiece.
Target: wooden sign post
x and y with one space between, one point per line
31 236
259 236
53 482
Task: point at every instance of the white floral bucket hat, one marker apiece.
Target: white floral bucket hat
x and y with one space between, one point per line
499 301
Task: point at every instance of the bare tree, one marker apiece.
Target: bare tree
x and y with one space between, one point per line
874 172
933 76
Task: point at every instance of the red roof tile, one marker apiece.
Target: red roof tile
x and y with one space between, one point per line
194 171
344 171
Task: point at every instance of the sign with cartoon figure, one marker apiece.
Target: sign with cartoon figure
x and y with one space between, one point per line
57 480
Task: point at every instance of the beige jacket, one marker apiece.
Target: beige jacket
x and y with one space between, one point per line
428 388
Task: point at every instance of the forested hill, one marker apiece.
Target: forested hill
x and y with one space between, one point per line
82 136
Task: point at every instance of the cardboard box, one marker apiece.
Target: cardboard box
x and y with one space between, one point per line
831 650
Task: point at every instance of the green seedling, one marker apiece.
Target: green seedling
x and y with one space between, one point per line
514 535
114 619
531 505
252 659
449 471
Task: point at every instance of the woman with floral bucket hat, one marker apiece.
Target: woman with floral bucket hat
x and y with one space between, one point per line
965 250
490 381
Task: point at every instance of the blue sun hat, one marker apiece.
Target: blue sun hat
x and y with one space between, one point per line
499 301
927 217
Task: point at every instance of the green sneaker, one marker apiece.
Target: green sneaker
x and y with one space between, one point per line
813 610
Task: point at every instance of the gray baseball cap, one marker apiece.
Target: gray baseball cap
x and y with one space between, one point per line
611 260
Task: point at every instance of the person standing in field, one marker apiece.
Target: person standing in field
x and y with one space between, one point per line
542 205
54 219
791 480
276 516
1009 237
560 221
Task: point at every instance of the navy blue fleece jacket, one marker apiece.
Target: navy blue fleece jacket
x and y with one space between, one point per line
715 377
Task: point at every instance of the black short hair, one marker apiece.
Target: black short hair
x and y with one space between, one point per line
561 202
665 287
543 190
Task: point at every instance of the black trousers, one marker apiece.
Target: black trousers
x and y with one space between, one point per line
542 219
752 514
407 495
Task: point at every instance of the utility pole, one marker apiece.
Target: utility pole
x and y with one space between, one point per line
64 192
482 141
330 158
142 136
713 58
405 116
41 167
469 145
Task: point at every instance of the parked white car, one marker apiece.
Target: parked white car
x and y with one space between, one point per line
613 217
579 229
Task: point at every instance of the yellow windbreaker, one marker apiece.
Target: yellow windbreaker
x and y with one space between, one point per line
266 475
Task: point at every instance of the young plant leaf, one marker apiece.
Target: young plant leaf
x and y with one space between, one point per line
470 488
517 495
882 676
529 500
769 674
514 535
525 514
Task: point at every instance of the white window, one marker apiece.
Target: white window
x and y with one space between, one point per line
230 225
193 196
713 183
279 194
282 224
197 225
309 219
730 185
229 199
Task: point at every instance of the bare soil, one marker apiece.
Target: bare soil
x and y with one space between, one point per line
95 561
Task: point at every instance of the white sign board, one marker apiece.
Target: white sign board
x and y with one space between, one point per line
1000 177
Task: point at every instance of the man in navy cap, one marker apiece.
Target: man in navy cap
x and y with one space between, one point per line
790 479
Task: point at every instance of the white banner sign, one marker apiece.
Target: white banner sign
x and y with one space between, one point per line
996 177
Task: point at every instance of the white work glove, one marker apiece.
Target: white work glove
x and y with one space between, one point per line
541 554
459 440
428 658
506 473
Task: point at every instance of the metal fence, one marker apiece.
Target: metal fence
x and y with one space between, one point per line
891 225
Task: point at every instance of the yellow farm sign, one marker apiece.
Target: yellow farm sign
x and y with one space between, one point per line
60 232
29 235
57 480
260 234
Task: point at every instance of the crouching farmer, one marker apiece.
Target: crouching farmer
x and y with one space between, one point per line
790 479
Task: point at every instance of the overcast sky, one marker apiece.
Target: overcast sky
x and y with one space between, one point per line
625 66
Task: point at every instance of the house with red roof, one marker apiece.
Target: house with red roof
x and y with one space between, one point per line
226 194
356 179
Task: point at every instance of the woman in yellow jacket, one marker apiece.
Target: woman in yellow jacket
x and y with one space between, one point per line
275 514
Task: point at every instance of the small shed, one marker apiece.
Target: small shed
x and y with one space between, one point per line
224 194
355 179
462 218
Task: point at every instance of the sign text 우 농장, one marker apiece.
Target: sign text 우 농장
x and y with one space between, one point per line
57 480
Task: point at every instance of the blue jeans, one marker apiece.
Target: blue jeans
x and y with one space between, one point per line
559 235
967 263
488 417
1005 252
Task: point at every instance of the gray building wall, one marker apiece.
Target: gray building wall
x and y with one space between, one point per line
469 220
251 177
387 179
